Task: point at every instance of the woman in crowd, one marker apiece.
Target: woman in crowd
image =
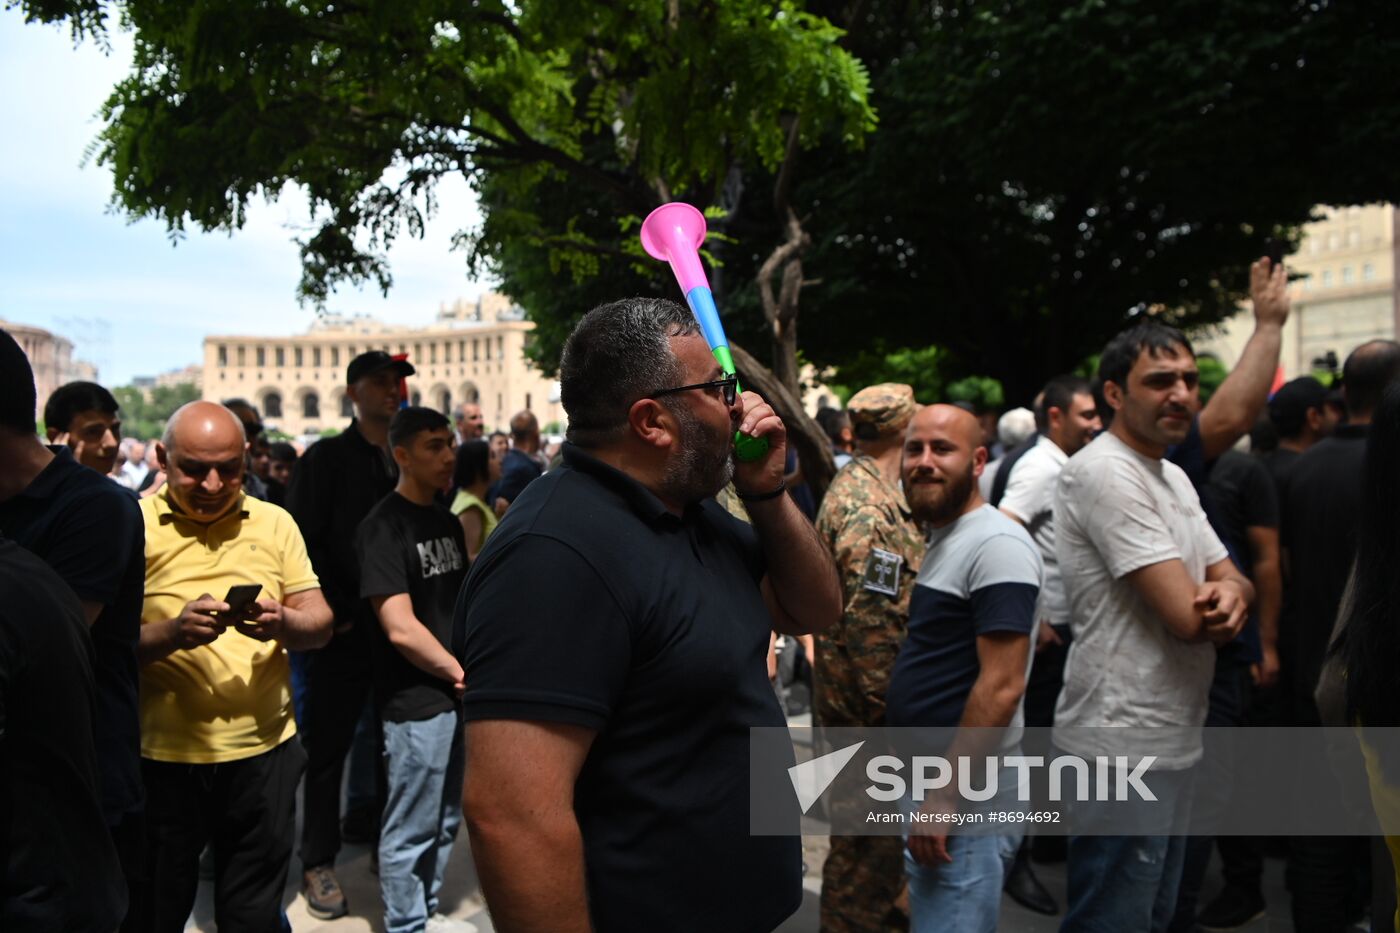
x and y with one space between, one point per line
476 470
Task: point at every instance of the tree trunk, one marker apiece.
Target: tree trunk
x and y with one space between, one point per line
781 309
804 435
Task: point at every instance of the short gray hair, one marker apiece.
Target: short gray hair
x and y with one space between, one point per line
616 355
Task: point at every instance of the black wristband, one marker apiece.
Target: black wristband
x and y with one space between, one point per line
763 496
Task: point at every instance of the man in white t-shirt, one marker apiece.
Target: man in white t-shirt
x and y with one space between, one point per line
1151 591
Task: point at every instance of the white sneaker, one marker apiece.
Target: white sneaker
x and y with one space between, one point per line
437 923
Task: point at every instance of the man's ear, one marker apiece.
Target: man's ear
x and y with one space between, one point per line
1113 394
979 460
163 457
1314 416
400 457
52 432
653 423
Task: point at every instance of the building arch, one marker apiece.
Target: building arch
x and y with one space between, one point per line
308 403
469 393
269 401
440 397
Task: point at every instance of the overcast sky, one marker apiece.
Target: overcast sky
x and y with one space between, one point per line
134 303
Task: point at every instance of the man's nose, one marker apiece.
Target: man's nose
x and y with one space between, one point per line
213 482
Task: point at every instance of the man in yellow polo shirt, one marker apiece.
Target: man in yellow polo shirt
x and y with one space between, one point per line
218 741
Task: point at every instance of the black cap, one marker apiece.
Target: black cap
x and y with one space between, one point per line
372 362
1288 409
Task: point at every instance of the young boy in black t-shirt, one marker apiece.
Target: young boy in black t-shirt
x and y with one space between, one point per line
412 563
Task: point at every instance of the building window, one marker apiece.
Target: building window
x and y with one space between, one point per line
335 356
347 407
500 348
1326 278
315 356
280 356
296 355
417 399
1353 237
1347 275
272 405
242 356
527 401
223 355
432 353
310 404
500 403
417 352
461 351
476 350
262 357
1368 272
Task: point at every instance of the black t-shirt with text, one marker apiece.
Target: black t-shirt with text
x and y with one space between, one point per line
415 549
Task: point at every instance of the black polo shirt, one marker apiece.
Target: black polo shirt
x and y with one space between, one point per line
1322 507
592 604
89 530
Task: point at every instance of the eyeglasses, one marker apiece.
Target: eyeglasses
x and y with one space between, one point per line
728 386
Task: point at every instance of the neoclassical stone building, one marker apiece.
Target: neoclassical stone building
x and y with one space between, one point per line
1345 291
474 352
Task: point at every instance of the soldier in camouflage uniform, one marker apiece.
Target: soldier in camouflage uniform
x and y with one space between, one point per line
866 524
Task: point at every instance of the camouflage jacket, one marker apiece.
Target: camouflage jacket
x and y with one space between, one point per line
866 525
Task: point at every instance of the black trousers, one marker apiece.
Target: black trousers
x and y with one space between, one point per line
338 687
246 810
1229 698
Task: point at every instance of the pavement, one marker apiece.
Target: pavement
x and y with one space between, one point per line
461 897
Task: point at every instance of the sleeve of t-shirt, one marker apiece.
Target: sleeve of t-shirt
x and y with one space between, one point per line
1260 497
380 550
100 536
1003 583
1122 522
556 653
297 573
1029 491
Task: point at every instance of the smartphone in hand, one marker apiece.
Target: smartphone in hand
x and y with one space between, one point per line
241 600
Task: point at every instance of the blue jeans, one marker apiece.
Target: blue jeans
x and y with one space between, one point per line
964 895
424 764
1119 883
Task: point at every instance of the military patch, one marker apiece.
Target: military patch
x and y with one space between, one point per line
882 572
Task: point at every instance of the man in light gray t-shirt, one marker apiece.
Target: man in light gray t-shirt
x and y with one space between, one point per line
1151 590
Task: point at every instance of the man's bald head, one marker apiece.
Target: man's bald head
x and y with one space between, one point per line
525 431
202 454
1369 369
943 456
203 421
951 421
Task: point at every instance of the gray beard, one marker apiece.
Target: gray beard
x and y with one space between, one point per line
702 466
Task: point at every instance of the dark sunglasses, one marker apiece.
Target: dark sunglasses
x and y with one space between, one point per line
728 386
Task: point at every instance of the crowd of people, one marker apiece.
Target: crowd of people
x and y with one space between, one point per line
564 649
